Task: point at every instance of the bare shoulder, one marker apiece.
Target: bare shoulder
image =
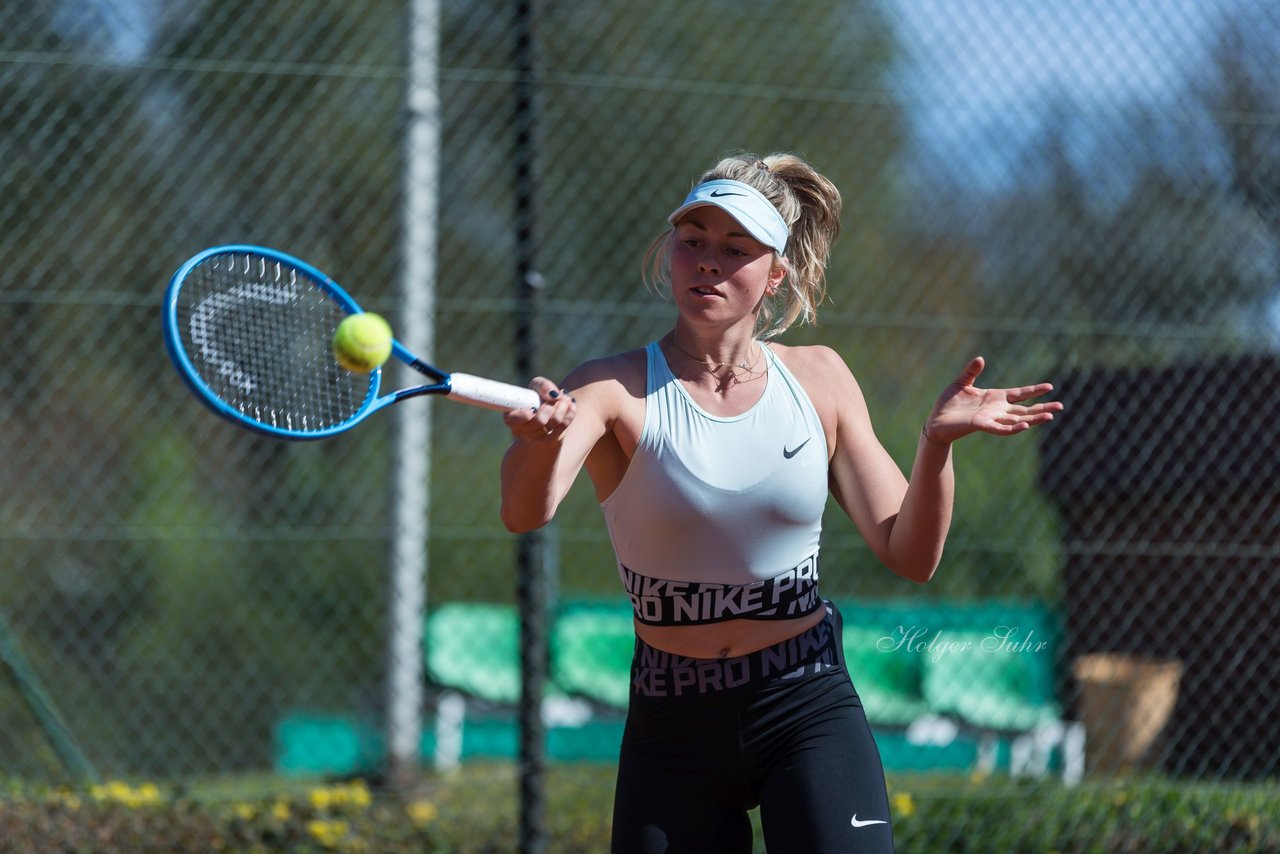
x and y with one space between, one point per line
820 369
619 374
610 391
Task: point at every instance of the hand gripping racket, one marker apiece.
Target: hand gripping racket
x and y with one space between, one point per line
250 330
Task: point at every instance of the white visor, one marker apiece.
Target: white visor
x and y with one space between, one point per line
747 205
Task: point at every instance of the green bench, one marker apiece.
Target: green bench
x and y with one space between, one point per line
473 659
591 648
944 685
932 674
984 669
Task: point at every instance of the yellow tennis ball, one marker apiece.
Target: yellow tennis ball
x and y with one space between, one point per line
362 342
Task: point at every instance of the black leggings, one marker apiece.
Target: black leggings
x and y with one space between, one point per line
707 740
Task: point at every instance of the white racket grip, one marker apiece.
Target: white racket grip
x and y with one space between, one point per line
491 394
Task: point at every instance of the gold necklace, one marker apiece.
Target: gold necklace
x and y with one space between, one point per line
715 366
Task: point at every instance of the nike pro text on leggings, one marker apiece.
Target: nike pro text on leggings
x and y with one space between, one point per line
707 740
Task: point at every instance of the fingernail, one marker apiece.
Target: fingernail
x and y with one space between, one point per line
553 394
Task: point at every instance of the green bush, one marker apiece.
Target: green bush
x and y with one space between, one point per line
475 811
1115 816
117 817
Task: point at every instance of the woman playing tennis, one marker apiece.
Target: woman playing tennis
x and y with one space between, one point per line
712 451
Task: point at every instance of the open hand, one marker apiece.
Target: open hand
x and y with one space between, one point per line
963 408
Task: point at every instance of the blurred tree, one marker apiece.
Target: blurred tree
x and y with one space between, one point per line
1162 263
1243 96
123 150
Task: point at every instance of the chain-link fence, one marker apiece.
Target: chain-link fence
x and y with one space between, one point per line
1084 193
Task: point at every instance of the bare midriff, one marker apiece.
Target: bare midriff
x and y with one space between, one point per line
725 639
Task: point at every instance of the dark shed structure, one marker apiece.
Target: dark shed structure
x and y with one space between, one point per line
1168 484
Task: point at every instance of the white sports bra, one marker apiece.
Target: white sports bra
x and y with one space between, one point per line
720 517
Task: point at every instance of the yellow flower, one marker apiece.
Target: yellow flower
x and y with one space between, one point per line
245 812
106 791
422 812
355 795
123 793
359 795
280 812
904 805
327 833
321 798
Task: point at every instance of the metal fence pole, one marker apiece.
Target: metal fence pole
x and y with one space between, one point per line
530 568
413 436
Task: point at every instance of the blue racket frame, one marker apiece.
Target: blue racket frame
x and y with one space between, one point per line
372 401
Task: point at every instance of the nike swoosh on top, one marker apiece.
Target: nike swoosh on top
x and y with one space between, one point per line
793 451
715 194
869 821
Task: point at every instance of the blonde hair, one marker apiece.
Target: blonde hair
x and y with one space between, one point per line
810 205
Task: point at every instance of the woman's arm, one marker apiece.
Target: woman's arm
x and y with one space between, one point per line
551 444
905 522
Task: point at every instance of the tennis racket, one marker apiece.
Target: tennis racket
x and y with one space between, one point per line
250 330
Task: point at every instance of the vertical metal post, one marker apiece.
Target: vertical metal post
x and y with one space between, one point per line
416 325
530 566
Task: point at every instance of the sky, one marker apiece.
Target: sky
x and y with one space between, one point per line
997 53
981 72
122 27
